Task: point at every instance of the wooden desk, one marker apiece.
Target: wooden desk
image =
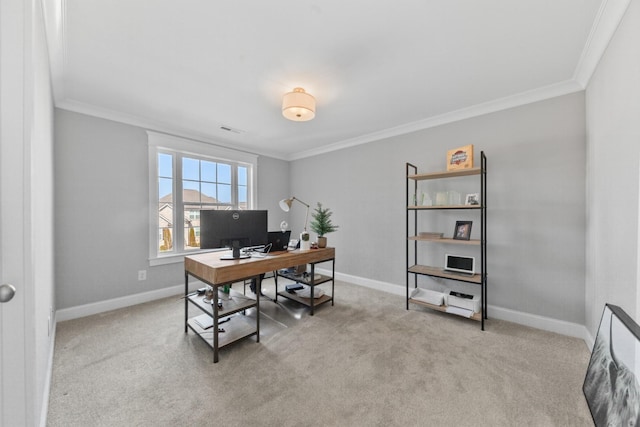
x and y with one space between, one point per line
215 272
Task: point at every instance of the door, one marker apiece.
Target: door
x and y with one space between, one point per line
14 132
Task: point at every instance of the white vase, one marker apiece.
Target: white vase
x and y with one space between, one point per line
305 241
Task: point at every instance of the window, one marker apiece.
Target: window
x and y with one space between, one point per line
184 177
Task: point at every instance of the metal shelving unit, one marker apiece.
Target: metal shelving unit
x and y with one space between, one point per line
414 239
312 280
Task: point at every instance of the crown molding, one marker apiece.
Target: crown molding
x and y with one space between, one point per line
55 22
152 125
528 97
603 29
608 18
524 98
604 26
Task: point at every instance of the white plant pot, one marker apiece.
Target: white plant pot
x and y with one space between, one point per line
305 245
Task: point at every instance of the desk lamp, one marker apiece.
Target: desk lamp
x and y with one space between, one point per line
285 205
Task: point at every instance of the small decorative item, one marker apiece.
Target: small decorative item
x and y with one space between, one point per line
462 230
454 198
321 224
442 198
460 158
610 385
472 199
305 243
208 294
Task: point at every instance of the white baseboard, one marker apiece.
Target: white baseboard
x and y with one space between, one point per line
115 303
526 319
539 322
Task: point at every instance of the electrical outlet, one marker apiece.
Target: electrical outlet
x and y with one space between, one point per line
142 275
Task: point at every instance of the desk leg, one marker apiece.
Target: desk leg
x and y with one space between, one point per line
333 280
275 281
313 285
215 326
186 300
259 280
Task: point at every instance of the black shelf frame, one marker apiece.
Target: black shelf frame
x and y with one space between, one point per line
217 313
412 170
311 282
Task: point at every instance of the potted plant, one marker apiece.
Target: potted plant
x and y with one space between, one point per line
321 224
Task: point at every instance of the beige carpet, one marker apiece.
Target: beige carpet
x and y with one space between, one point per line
364 362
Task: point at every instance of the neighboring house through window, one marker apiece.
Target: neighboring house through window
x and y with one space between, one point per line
186 176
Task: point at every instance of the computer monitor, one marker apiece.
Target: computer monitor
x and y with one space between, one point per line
232 229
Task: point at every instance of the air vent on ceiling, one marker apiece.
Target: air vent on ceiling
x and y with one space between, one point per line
230 129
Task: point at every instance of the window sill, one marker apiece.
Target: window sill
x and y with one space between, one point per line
176 258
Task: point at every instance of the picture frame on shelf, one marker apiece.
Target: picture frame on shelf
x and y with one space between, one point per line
611 385
462 230
460 158
472 199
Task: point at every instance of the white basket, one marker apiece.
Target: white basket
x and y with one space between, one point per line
467 304
428 296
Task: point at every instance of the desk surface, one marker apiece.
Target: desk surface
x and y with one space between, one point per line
210 268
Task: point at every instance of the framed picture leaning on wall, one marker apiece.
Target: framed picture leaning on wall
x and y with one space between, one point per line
611 383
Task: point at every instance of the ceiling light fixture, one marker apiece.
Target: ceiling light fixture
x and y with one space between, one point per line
298 105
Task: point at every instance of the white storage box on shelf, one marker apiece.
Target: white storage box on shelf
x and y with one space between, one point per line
472 304
428 296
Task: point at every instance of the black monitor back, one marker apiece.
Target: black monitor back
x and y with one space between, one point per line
220 229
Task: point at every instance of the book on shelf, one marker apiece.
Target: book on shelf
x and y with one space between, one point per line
204 321
431 234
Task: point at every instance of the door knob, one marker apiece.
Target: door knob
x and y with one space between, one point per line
7 292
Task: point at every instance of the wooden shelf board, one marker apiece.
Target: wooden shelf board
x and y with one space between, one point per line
440 272
445 240
237 328
238 302
443 308
442 207
306 301
301 279
446 174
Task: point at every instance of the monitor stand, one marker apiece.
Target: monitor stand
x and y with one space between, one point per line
235 254
228 257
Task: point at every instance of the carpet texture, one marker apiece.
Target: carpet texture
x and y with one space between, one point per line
364 362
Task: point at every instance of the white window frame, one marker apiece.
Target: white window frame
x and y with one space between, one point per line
160 142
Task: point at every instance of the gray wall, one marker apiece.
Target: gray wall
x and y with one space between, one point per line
273 186
613 172
536 202
101 210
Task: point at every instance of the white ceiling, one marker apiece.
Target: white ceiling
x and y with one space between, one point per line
376 68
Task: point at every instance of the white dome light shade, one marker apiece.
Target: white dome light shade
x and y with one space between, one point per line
298 105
